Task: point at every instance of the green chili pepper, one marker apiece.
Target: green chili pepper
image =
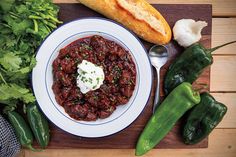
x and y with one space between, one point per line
181 99
189 65
21 128
38 124
203 118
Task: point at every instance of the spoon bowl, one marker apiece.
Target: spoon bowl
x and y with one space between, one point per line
158 55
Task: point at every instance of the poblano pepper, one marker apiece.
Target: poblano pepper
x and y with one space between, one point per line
203 118
181 99
189 65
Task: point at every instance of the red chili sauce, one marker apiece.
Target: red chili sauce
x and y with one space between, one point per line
117 87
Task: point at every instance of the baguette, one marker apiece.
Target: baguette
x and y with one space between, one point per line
137 15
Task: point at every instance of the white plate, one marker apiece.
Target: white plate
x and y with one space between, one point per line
42 77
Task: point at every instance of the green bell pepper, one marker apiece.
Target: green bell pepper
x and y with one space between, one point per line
181 99
203 118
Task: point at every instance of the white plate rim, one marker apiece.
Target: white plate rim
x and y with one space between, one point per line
148 68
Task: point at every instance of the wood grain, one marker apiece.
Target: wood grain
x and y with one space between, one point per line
223 74
229 99
223 30
221 144
127 138
174 12
220 7
21 154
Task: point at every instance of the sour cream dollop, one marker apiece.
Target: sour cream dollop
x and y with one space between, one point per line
90 76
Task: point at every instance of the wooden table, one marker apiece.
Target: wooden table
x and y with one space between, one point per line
222 141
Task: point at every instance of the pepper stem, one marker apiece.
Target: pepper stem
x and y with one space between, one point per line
217 47
202 87
33 149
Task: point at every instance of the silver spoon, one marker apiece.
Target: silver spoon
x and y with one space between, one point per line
158 55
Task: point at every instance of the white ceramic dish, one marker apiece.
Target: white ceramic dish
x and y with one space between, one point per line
42 77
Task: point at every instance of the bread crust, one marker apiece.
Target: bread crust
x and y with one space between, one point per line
137 15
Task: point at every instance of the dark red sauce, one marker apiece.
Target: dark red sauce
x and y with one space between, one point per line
117 88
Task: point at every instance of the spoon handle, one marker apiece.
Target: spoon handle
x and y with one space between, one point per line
157 94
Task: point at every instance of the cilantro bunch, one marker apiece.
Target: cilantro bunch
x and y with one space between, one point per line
24 24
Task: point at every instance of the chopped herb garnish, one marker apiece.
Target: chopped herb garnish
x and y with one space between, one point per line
116 70
63 79
115 80
112 99
77 60
97 80
85 56
83 72
60 67
67 57
131 82
94 88
83 78
86 47
90 80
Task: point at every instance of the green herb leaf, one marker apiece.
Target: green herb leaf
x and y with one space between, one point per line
24 24
10 61
13 91
6 5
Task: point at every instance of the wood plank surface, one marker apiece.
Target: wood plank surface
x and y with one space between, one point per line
220 7
221 144
223 30
127 138
22 153
223 74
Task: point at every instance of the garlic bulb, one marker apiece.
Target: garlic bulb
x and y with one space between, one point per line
187 31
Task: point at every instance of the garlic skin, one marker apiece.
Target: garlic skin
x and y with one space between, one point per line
187 31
